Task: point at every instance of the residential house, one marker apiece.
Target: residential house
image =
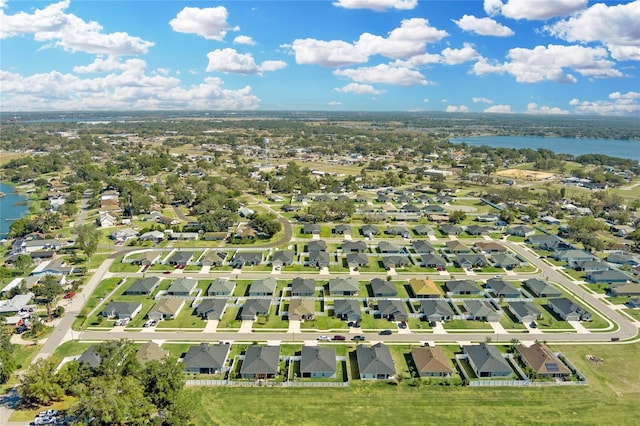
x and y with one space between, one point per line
153 236
477 230
487 218
436 310
211 309
213 258
434 209
242 258
388 247
470 260
252 308
145 258
487 361
524 311
260 362
245 212
547 242
319 259
354 246
572 257
398 231
301 309
422 247
424 288
215 236
342 229
568 310
433 261
521 231
166 308
105 220
205 358
182 287
395 261
317 362
17 303
221 287
623 258
150 351
462 287
303 287
392 309
423 230
316 245
282 258
506 261
634 303
357 260
347 309
340 286
630 289
541 288
55 267
369 230
456 247
123 234
480 310
183 236
90 357
375 362
383 288
181 258
500 288
311 228
120 310
543 361
144 286
611 276
490 247
431 362
448 229
264 287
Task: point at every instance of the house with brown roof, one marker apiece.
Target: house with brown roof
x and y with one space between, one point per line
166 308
543 361
150 351
431 362
424 288
301 309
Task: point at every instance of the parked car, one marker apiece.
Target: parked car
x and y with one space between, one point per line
358 337
324 339
69 295
337 337
385 332
533 325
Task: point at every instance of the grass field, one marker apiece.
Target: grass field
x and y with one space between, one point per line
610 398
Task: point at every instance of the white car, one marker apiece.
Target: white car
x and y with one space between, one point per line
324 338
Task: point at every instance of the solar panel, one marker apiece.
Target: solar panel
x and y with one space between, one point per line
551 366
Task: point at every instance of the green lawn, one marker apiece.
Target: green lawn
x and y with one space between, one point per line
610 398
466 325
185 319
324 322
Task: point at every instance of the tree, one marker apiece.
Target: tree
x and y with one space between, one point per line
457 216
88 237
162 381
7 361
23 262
39 385
49 290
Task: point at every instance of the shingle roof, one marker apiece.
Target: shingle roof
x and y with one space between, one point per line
431 360
487 358
261 360
316 359
206 356
375 360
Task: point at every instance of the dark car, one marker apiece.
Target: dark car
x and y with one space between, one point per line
339 338
358 337
385 332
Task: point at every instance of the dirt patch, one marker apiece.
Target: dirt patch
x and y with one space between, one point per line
525 174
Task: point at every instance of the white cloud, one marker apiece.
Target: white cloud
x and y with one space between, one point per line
483 26
549 62
210 23
111 63
377 5
425 101
52 24
129 90
359 89
3 3
620 104
459 56
230 61
461 108
615 26
384 73
483 100
334 103
499 109
410 39
243 39
534 108
533 10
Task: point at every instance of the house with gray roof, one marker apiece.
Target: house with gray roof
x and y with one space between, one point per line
205 358
434 209
568 310
183 287
347 309
154 236
318 362
480 310
121 310
252 308
260 362
311 228
357 260
383 288
477 230
395 261
182 258
436 310
354 246
340 286
623 259
145 258
144 286
433 261
249 258
525 312
611 276
213 258
431 362
501 288
375 362
319 259
470 260
90 357
16 304
303 287
211 309
591 266
398 231
369 230
572 257
282 258
521 231
392 309
423 230
388 247
541 288
221 287
505 260
487 361
264 287
547 242
462 287
316 245
342 229
422 247
448 229
166 308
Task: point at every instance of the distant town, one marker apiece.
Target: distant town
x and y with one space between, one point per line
166 256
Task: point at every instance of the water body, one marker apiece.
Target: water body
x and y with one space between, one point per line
12 206
573 146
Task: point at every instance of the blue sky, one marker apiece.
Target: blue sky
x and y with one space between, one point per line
502 56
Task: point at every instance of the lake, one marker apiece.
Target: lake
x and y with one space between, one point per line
573 146
12 206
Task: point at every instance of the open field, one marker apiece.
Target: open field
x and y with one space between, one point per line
610 398
525 174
